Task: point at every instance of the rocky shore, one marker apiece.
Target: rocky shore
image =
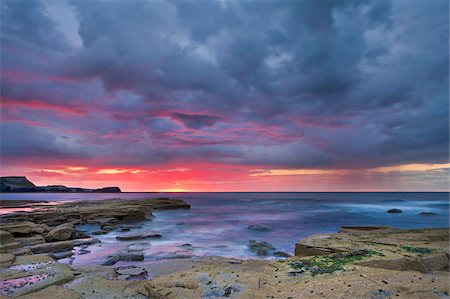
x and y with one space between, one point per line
357 262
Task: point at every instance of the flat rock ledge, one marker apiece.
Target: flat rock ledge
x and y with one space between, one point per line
423 250
357 262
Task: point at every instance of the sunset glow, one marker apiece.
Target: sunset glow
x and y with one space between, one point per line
268 97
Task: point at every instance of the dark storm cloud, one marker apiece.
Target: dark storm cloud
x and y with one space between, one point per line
195 121
358 83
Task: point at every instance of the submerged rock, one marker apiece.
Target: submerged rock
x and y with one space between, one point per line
281 254
259 227
260 248
427 214
138 236
395 211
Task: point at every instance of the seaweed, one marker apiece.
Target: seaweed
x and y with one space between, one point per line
330 263
418 250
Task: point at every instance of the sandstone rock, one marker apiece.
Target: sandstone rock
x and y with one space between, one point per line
61 232
96 211
53 292
395 211
52 247
33 259
24 227
8 247
260 248
6 259
22 251
138 236
37 230
6 237
36 278
33 240
305 249
259 227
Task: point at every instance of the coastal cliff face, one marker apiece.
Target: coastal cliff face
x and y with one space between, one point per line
22 184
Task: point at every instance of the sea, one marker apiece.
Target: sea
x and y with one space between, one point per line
217 223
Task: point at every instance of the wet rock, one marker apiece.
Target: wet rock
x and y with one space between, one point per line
6 259
80 235
427 214
230 290
138 236
260 248
395 211
61 232
61 255
124 257
259 227
139 246
37 277
100 232
131 271
52 247
85 241
281 254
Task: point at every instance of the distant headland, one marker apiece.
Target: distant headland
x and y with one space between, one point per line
22 184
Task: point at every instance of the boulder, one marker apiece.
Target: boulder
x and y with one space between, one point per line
259 227
260 248
52 247
139 236
395 211
61 232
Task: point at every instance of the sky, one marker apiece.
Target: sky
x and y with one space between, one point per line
227 95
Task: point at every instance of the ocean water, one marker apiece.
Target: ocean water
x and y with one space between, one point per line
216 224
